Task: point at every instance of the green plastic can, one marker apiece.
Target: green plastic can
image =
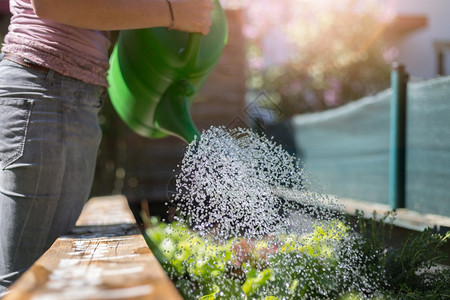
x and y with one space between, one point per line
156 73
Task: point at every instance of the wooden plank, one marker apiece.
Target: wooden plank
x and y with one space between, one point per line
105 257
404 217
106 211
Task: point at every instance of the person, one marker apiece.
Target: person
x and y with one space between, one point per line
53 78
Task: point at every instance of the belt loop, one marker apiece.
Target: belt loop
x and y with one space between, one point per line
50 76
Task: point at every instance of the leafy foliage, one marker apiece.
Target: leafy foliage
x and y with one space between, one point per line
332 262
316 54
415 270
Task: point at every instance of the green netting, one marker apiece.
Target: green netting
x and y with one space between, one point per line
428 147
347 149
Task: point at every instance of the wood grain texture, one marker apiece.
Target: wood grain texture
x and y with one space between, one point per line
105 257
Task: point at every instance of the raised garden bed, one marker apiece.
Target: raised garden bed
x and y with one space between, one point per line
331 262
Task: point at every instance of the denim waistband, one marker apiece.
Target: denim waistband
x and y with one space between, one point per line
24 62
16 78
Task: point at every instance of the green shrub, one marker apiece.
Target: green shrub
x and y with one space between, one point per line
332 262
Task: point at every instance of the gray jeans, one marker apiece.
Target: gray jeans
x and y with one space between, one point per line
49 137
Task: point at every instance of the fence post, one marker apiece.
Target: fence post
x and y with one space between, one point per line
397 152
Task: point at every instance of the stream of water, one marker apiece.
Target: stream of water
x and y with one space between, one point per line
237 184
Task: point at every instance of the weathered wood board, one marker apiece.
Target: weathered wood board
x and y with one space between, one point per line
105 257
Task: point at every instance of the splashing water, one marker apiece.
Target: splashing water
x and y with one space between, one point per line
243 194
233 181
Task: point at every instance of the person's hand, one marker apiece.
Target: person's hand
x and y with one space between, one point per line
192 15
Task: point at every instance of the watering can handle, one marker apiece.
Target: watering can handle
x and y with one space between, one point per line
190 53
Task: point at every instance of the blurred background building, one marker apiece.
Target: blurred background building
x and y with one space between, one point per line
419 36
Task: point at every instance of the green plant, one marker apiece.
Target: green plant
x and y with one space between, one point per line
332 262
416 269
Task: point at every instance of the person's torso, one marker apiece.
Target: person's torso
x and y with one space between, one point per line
74 52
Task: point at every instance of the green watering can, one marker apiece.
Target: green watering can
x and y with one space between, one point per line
156 73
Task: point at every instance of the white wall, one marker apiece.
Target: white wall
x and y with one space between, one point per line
416 49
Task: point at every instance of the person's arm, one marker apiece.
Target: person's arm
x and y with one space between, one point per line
189 15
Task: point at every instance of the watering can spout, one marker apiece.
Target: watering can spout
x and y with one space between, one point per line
172 113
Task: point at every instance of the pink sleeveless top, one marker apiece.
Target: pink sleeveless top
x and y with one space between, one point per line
74 52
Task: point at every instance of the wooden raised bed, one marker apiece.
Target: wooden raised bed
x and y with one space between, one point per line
105 257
